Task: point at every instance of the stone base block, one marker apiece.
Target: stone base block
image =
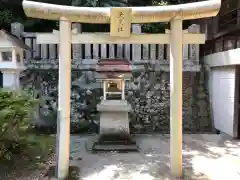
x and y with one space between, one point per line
114 127
114 123
114 106
114 117
106 143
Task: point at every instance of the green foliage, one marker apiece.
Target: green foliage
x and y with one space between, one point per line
160 3
6 16
15 120
100 3
156 27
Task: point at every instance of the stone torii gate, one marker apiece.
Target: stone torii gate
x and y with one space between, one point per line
120 20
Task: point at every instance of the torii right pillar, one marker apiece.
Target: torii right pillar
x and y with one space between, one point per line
176 61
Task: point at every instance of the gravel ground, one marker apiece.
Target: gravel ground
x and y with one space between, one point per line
205 157
214 157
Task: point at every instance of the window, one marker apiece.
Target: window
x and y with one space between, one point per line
114 90
7 56
18 57
114 86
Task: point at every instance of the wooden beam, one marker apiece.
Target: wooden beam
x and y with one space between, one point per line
145 14
105 38
176 80
193 38
64 93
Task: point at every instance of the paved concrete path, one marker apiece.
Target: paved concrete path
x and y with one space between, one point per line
214 157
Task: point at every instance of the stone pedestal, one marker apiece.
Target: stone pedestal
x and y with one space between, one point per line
114 117
114 127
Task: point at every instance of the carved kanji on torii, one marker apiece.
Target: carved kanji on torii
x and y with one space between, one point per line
120 20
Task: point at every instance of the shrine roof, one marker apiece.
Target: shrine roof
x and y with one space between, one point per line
113 65
122 68
104 62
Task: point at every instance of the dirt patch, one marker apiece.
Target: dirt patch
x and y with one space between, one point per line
33 161
73 173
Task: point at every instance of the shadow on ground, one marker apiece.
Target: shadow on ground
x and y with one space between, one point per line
214 157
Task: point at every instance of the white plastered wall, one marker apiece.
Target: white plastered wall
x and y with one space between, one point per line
222 97
223 89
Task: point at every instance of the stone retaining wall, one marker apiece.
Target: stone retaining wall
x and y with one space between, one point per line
148 94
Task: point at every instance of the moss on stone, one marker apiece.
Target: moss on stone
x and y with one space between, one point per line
73 173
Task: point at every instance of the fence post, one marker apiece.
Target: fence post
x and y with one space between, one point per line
194 48
160 52
185 49
77 48
136 50
17 29
167 31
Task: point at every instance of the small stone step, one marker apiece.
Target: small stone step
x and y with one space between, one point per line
93 145
120 148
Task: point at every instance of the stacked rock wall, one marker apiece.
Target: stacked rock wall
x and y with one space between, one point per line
148 93
152 106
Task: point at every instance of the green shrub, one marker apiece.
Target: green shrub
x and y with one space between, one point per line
15 120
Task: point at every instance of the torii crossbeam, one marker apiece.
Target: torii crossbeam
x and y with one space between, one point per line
101 38
120 20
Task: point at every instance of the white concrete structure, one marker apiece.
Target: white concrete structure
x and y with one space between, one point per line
176 14
11 59
224 90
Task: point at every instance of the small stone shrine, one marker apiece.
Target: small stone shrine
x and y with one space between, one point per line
11 59
114 109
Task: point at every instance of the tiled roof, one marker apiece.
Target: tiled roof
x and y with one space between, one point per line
113 68
113 65
15 40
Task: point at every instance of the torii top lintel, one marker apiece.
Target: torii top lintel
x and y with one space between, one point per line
146 14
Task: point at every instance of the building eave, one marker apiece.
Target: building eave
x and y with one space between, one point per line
15 40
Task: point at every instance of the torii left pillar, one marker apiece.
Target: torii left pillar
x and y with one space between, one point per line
64 96
176 61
